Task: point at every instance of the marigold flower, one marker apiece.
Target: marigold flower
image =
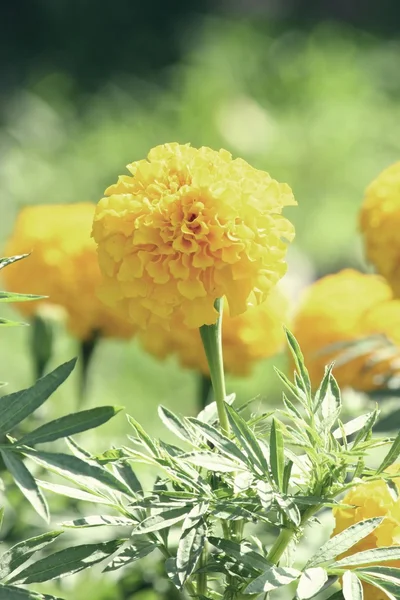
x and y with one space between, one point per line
372 499
63 266
345 307
258 333
187 227
380 224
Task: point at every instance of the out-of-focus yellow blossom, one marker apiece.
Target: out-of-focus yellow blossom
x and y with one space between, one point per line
345 307
380 224
372 500
63 266
258 333
187 227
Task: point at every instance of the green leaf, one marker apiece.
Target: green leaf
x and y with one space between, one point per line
15 407
70 492
391 456
68 465
212 462
144 437
388 573
26 483
8 260
210 413
299 361
354 425
126 472
11 297
247 439
311 582
10 592
276 454
289 507
331 404
70 424
130 554
189 550
272 579
220 441
195 515
391 590
242 553
174 424
22 552
344 540
8 323
66 562
351 586
162 520
99 521
375 555
323 388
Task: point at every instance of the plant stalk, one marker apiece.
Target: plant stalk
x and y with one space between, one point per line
202 577
211 336
286 535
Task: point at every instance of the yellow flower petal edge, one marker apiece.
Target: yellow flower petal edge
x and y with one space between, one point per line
380 224
186 227
345 307
63 266
369 500
256 334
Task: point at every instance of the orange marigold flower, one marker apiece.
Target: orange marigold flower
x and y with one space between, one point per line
187 227
372 499
345 307
63 266
380 224
256 334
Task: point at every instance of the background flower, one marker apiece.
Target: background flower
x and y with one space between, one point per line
258 333
63 266
189 226
380 224
372 500
345 307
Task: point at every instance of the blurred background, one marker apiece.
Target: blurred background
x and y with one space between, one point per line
308 90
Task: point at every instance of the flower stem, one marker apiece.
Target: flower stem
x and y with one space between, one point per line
212 342
281 543
203 392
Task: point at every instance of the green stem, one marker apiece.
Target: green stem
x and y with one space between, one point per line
286 535
202 577
204 390
212 342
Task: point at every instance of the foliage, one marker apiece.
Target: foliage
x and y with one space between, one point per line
279 470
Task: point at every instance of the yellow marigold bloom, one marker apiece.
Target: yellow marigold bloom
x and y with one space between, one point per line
380 224
187 227
258 333
63 266
345 307
372 500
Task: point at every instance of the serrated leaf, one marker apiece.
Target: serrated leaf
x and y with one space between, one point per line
387 573
26 483
210 413
99 521
391 456
70 492
352 587
195 515
272 579
66 562
390 589
189 550
323 388
354 425
69 425
144 437
241 552
5 261
22 552
289 507
212 461
331 404
375 555
15 407
344 540
174 424
126 472
311 582
220 441
162 520
247 439
276 454
67 465
11 592
130 554
299 361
